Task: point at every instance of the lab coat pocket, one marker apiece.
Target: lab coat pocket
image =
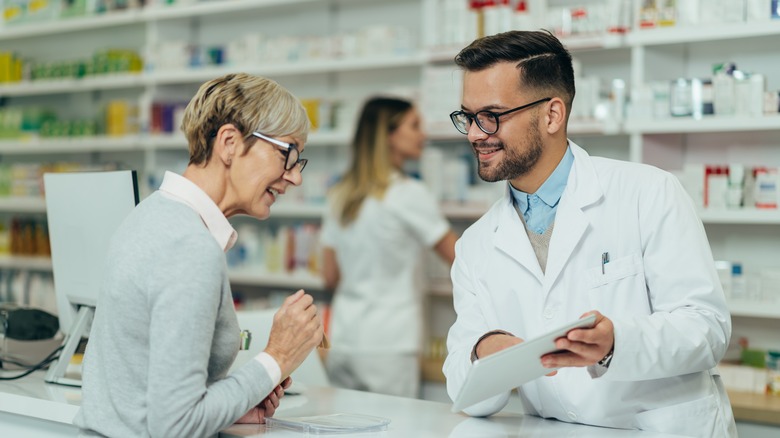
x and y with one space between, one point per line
620 286
614 270
697 418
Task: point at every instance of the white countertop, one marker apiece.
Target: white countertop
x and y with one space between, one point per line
32 405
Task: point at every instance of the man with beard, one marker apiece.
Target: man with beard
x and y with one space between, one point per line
577 235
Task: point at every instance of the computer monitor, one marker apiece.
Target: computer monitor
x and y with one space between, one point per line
83 211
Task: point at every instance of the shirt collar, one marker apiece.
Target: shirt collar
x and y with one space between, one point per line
551 190
181 189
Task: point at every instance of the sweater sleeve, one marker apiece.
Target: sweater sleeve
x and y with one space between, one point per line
184 305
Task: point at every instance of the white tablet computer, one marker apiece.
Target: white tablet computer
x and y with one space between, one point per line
512 367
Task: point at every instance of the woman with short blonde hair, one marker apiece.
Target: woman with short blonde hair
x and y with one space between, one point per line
166 332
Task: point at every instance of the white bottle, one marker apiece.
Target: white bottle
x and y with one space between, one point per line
521 18
738 290
766 188
491 14
724 274
504 16
756 94
723 93
735 189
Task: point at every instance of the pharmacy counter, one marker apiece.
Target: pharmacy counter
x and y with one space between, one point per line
31 407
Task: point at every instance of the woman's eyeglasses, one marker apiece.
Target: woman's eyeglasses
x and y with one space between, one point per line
292 156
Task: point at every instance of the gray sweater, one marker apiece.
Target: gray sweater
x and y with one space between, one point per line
165 333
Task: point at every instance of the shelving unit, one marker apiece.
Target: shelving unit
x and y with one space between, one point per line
26 263
22 205
638 57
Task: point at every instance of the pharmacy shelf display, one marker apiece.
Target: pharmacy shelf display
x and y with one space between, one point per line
639 59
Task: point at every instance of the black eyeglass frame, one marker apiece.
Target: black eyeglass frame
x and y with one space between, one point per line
290 160
472 117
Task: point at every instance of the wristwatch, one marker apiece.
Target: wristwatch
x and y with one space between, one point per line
488 334
607 359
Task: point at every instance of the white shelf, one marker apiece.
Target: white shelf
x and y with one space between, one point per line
28 263
303 67
103 143
244 276
138 16
593 42
258 277
16 204
746 216
454 210
70 145
442 54
166 142
179 142
286 210
705 124
445 133
575 127
210 8
594 127
64 25
754 309
73 85
292 210
199 75
704 32
329 138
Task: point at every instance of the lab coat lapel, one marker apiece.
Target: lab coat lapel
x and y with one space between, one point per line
571 223
510 237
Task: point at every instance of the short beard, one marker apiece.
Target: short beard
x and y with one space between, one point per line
515 163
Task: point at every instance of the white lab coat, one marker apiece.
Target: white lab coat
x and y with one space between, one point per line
378 307
660 289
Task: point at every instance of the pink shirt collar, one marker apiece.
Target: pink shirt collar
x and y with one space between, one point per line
179 188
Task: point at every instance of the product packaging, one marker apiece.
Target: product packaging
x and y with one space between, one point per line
766 188
773 375
723 87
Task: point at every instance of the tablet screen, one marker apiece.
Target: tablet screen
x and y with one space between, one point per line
512 367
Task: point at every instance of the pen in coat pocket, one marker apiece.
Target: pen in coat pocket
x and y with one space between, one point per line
604 261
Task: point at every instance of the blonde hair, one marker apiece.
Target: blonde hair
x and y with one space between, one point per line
370 170
250 103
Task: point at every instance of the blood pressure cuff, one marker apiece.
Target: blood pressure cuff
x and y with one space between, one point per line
28 324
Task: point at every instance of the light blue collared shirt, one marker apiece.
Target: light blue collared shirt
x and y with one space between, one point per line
539 209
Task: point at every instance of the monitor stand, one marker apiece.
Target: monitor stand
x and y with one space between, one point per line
58 368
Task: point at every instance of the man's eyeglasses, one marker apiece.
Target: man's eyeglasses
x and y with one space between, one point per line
486 120
292 156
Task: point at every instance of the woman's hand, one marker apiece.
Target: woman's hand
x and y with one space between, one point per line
267 407
296 330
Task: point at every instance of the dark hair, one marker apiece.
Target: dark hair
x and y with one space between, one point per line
542 62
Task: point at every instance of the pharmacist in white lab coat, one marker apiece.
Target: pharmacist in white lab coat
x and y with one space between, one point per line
577 234
378 223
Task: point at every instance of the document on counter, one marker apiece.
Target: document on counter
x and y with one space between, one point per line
329 424
512 367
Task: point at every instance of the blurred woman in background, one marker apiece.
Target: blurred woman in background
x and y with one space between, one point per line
377 223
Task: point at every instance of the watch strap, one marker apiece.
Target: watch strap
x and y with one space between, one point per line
605 361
